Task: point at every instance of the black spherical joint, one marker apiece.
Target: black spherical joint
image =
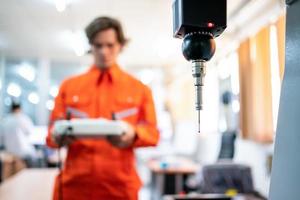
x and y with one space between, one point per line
198 46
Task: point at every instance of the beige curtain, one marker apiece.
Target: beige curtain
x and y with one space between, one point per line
255 87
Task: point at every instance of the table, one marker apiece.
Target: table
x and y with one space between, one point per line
33 184
208 197
169 179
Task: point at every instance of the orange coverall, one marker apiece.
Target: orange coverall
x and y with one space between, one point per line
94 169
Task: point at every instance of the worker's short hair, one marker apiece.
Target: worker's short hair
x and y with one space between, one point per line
104 23
15 106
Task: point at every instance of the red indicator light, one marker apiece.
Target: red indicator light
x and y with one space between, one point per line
210 24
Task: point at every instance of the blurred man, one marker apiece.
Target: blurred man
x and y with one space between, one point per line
104 169
17 128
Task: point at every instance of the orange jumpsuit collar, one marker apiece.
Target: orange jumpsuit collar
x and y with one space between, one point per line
113 72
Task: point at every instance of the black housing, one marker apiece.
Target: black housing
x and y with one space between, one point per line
199 16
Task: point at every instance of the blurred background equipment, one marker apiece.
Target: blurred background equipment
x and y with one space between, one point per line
227 145
198 23
229 136
222 177
17 128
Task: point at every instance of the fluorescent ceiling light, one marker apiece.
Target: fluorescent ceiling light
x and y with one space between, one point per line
60 5
14 90
26 71
33 98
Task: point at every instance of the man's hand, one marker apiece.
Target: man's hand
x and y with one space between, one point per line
124 140
64 140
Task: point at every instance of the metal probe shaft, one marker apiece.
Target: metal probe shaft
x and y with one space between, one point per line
198 121
198 74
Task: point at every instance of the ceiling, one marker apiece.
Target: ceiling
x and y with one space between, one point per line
35 29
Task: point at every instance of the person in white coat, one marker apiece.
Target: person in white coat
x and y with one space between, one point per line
16 130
